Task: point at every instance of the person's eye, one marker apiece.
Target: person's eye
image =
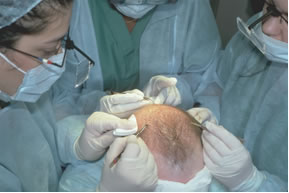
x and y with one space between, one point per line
48 53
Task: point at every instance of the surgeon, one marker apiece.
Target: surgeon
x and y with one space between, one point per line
132 42
254 106
34 41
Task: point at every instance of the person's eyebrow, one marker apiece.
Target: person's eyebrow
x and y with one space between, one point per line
56 39
273 3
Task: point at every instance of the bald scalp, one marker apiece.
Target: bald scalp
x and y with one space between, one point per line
169 132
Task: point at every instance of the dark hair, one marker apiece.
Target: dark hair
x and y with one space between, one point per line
33 22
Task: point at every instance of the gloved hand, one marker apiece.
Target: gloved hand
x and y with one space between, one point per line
202 115
135 170
228 160
97 135
163 90
123 104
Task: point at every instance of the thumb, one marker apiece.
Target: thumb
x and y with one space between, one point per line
116 148
132 149
224 135
104 140
127 123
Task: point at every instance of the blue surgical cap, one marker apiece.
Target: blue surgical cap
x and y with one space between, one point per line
11 10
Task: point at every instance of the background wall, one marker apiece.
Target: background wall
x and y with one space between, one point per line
226 12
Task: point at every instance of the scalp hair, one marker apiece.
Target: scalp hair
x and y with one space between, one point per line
169 132
33 22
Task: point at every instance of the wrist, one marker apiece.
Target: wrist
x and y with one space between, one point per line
252 183
76 149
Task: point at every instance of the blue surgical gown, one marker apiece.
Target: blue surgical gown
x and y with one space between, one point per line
34 151
254 106
181 40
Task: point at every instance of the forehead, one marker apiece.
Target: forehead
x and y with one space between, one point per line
56 28
281 5
58 25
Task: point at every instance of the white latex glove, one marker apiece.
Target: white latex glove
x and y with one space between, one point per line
163 90
203 115
97 135
135 171
228 160
123 104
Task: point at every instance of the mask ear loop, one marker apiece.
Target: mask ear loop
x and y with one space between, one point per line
11 63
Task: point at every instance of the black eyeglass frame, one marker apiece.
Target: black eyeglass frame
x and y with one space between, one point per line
271 11
69 45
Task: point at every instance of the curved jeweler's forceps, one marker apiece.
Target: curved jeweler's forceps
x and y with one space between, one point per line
198 124
118 157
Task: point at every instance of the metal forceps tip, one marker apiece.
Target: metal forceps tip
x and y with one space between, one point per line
118 157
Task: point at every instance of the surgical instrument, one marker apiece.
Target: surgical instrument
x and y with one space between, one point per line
118 157
198 124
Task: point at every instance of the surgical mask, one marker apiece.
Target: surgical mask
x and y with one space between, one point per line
36 81
274 50
134 11
200 183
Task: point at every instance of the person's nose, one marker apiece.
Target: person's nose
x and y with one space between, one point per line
272 27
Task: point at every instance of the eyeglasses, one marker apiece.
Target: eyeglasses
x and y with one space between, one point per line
83 67
39 59
271 11
82 61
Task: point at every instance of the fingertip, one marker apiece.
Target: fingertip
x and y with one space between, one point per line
210 126
140 141
116 148
205 133
138 96
173 81
107 138
132 139
129 123
124 98
132 149
132 121
136 92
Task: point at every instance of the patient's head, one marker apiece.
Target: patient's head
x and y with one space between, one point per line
174 142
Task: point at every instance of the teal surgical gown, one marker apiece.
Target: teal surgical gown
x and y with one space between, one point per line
118 48
34 151
254 106
180 40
